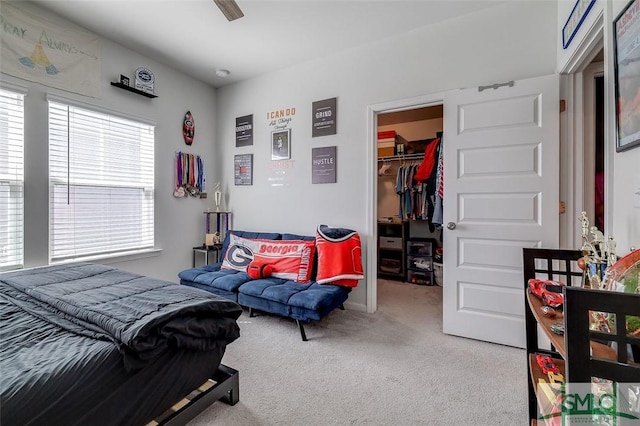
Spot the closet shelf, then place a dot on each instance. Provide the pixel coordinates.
(419, 156)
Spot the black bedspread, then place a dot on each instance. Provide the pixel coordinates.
(75, 339)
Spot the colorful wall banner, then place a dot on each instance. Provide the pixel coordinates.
(36, 49)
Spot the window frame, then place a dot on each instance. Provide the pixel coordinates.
(88, 184)
(15, 181)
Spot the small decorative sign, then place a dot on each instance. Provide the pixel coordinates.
(324, 164)
(244, 131)
(577, 16)
(324, 117)
(124, 80)
(243, 169)
(144, 80)
(280, 119)
(188, 128)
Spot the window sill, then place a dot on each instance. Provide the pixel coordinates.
(107, 259)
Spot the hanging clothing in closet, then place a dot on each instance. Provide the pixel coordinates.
(418, 186)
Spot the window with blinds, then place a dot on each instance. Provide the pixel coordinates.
(11, 179)
(101, 183)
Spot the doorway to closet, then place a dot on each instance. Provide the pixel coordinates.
(409, 201)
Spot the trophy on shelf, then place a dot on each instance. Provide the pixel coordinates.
(217, 196)
(598, 254)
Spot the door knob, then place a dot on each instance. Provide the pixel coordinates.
(451, 225)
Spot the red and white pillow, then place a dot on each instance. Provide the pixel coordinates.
(288, 259)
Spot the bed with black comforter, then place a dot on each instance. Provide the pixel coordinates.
(89, 344)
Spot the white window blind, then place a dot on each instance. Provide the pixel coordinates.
(11, 179)
(101, 183)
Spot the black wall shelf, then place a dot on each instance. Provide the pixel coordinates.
(133, 89)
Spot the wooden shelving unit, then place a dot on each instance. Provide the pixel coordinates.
(578, 353)
(549, 398)
(535, 305)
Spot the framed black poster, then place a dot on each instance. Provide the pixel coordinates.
(323, 165)
(243, 169)
(325, 117)
(244, 131)
(627, 76)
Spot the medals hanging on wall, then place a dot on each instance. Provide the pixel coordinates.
(178, 192)
(188, 128)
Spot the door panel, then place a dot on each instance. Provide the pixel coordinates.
(515, 112)
(499, 207)
(493, 255)
(488, 300)
(501, 192)
(523, 160)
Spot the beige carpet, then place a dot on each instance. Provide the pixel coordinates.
(394, 367)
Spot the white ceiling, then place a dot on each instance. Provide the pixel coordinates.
(194, 36)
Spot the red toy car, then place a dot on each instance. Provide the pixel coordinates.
(546, 364)
(549, 291)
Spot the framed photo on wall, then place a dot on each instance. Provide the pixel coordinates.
(626, 29)
(243, 169)
(281, 144)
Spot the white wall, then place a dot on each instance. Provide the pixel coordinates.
(179, 223)
(512, 41)
(623, 177)
(625, 185)
(568, 56)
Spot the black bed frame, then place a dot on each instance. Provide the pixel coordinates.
(227, 389)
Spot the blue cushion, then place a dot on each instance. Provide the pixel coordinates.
(264, 305)
(246, 234)
(190, 274)
(319, 297)
(214, 277)
(312, 297)
(231, 295)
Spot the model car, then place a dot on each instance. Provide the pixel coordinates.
(549, 291)
(545, 362)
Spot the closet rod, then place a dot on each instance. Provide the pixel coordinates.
(402, 157)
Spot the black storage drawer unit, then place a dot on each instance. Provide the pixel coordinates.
(420, 277)
(417, 247)
(420, 261)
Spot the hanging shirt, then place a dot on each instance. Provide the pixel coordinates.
(430, 158)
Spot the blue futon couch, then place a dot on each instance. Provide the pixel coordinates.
(301, 301)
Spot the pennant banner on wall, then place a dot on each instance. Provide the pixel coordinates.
(38, 50)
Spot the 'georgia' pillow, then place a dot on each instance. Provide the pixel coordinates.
(291, 259)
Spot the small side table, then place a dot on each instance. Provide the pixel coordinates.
(206, 251)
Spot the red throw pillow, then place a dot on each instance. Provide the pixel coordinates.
(289, 259)
(257, 270)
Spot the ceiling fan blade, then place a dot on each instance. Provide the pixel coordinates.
(229, 8)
